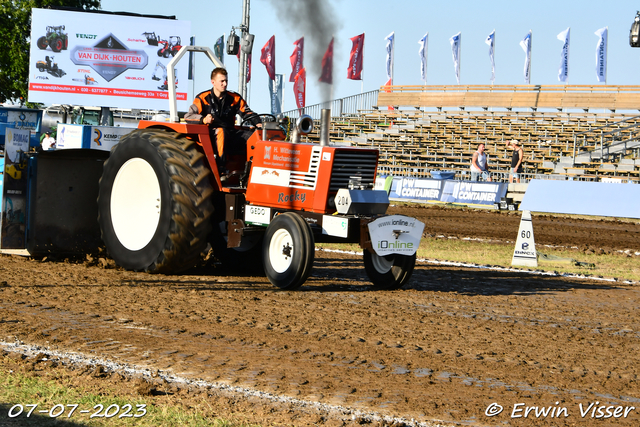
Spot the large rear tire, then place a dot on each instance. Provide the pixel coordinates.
(57, 45)
(288, 251)
(390, 271)
(154, 204)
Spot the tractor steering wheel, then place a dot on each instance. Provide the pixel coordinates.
(263, 117)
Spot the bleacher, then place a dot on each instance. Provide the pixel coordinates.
(594, 143)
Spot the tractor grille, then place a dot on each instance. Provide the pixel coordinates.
(353, 165)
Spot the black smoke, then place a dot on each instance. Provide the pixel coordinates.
(318, 22)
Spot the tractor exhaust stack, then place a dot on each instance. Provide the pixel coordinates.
(325, 121)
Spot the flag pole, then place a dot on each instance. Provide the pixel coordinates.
(361, 74)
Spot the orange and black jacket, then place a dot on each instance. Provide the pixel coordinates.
(223, 110)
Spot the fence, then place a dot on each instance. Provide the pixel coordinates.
(339, 107)
(463, 175)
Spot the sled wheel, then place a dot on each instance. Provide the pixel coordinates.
(288, 251)
(154, 202)
(57, 45)
(42, 43)
(389, 271)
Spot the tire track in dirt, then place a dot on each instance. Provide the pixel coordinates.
(453, 341)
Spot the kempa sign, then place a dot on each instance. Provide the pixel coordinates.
(85, 58)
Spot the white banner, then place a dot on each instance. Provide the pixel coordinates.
(526, 46)
(491, 41)
(455, 49)
(390, 42)
(97, 59)
(422, 52)
(601, 54)
(275, 92)
(563, 71)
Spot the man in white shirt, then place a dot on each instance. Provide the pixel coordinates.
(49, 142)
(479, 165)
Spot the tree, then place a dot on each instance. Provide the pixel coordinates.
(15, 33)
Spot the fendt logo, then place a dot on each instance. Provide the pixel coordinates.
(86, 36)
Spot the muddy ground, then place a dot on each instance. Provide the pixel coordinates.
(450, 346)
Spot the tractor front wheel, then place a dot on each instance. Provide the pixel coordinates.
(389, 271)
(42, 43)
(154, 202)
(288, 251)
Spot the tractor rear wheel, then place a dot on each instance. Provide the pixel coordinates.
(154, 202)
(42, 43)
(389, 271)
(288, 251)
(57, 45)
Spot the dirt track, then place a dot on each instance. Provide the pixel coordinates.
(452, 342)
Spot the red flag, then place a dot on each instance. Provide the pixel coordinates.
(355, 58)
(268, 57)
(299, 87)
(296, 59)
(248, 65)
(327, 65)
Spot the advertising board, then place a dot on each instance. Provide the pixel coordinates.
(108, 60)
(14, 188)
(20, 118)
(94, 137)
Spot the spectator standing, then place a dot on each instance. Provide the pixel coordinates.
(49, 142)
(516, 160)
(479, 165)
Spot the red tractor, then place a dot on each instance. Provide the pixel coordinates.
(163, 202)
(170, 47)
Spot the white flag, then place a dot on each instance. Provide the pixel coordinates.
(455, 49)
(390, 41)
(491, 40)
(563, 71)
(601, 54)
(526, 46)
(424, 46)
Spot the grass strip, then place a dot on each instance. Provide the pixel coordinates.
(55, 393)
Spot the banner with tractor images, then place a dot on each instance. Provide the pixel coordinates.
(14, 189)
(108, 60)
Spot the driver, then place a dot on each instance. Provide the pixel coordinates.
(218, 108)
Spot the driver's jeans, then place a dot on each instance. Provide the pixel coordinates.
(228, 143)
